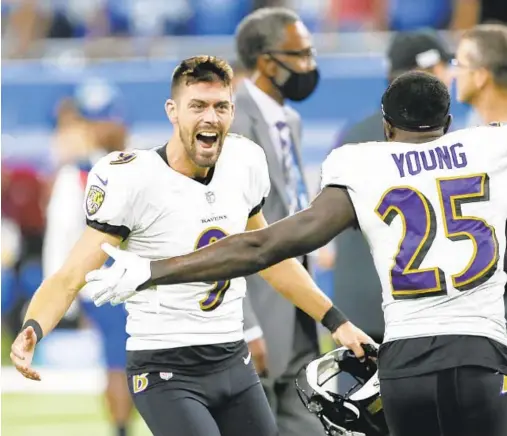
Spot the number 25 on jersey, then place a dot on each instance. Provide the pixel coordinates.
(419, 230)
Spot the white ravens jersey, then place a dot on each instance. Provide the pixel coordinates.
(434, 215)
(161, 213)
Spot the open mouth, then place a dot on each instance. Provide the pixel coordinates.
(207, 139)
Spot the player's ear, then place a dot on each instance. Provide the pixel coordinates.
(481, 76)
(266, 66)
(447, 124)
(170, 110)
(388, 130)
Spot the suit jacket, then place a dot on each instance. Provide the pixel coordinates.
(263, 307)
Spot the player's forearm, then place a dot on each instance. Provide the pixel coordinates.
(291, 279)
(248, 253)
(51, 302)
(234, 256)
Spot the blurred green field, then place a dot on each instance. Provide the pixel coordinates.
(59, 415)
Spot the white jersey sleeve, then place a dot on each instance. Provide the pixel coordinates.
(109, 199)
(259, 182)
(335, 171)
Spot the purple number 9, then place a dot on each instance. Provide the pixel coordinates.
(216, 294)
(419, 230)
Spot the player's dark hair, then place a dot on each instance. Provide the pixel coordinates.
(491, 53)
(199, 69)
(417, 102)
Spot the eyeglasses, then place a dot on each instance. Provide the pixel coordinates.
(307, 53)
(455, 64)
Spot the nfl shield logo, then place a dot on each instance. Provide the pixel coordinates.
(210, 197)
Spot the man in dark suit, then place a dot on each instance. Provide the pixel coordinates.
(355, 276)
(275, 46)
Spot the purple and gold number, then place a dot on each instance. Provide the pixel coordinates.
(454, 192)
(216, 294)
(419, 229)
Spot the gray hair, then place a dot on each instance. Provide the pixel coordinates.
(261, 31)
(491, 43)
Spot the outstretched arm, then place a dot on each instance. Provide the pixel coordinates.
(290, 279)
(55, 294)
(247, 253)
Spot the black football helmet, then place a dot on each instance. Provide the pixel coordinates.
(356, 413)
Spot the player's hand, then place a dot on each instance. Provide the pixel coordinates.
(259, 355)
(22, 350)
(118, 283)
(351, 337)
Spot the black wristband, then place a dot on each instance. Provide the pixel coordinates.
(36, 326)
(333, 319)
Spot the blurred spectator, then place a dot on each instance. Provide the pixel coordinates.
(479, 11)
(23, 25)
(89, 125)
(11, 243)
(11, 251)
(493, 11)
(23, 200)
(149, 17)
(218, 17)
(481, 71)
(352, 15)
(406, 15)
(95, 101)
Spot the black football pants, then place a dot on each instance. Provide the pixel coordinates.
(231, 402)
(463, 401)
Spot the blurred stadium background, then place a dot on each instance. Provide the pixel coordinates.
(127, 49)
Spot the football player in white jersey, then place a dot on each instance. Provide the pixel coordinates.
(433, 208)
(190, 372)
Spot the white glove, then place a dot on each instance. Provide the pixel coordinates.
(118, 283)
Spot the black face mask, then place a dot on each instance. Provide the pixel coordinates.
(298, 86)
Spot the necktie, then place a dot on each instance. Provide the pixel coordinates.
(297, 195)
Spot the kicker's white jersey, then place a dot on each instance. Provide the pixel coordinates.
(434, 215)
(162, 213)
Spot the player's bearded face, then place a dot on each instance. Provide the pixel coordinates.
(204, 121)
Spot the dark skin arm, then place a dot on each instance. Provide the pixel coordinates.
(247, 253)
